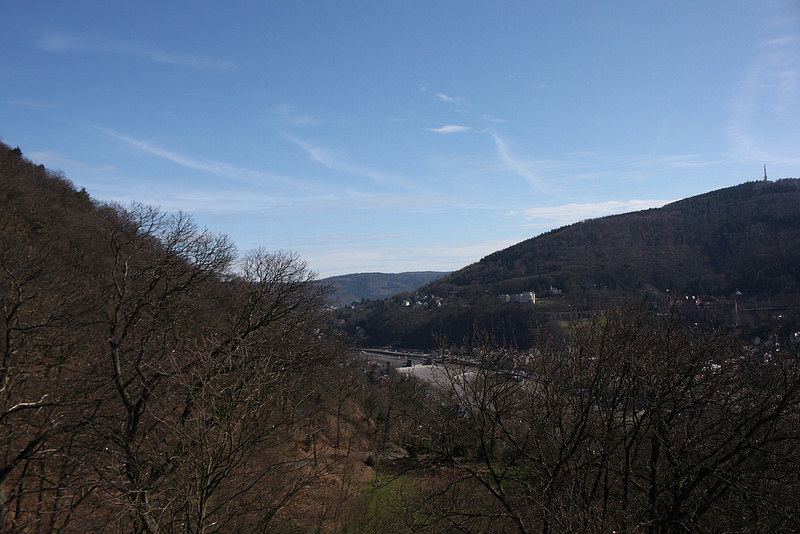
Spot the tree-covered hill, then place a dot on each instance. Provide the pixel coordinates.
(371, 286)
(739, 240)
(744, 238)
(146, 385)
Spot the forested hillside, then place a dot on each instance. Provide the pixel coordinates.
(145, 387)
(742, 242)
(744, 238)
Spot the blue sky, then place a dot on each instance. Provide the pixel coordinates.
(400, 136)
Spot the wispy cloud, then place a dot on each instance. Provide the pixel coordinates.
(516, 165)
(553, 216)
(54, 160)
(450, 128)
(29, 104)
(336, 260)
(210, 166)
(61, 43)
(769, 95)
(491, 118)
(288, 115)
(221, 203)
(334, 162)
(225, 202)
(451, 99)
(686, 161)
(352, 239)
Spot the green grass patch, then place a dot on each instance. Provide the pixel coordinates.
(387, 503)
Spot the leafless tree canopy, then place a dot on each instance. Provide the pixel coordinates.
(634, 423)
(150, 381)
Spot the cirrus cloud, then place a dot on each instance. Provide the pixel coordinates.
(552, 216)
(450, 128)
(451, 99)
(63, 43)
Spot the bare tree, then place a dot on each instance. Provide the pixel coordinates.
(633, 423)
(149, 380)
(155, 265)
(42, 401)
(149, 383)
(250, 397)
(208, 377)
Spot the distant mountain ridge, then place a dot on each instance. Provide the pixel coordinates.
(742, 240)
(356, 287)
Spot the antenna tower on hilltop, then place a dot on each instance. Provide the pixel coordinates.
(765, 172)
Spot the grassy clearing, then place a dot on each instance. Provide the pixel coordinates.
(387, 503)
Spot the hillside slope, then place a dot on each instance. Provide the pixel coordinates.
(739, 240)
(744, 238)
(132, 355)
